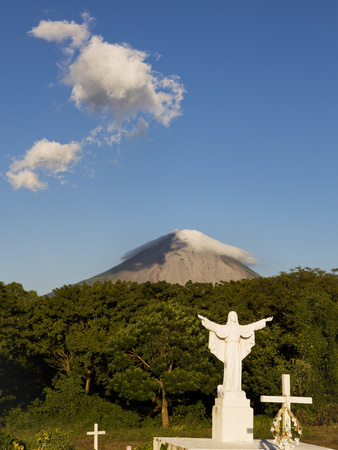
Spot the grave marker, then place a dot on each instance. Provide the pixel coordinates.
(96, 433)
(283, 435)
(286, 398)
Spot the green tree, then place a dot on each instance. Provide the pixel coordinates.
(70, 330)
(21, 377)
(301, 340)
(158, 340)
(161, 353)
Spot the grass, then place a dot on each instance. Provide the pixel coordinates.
(325, 436)
(140, 437)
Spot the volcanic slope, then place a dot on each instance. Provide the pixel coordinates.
(181, 256)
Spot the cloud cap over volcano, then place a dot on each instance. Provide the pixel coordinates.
(179, 257)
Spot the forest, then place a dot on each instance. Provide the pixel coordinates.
(135, 354)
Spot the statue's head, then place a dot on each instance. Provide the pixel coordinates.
(232, 317)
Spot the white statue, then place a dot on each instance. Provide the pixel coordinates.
(231, 343)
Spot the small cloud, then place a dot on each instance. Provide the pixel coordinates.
(52, 158)
(139, 131)
(60, 31)
(94, 136)
(25, 179)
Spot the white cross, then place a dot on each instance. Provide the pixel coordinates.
(286, 399)
(96, 433)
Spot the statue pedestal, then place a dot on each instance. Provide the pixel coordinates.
(232, 418)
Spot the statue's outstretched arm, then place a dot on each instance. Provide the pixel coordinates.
(269, 319)
(204, 320)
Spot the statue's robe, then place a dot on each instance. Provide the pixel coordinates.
(231, 343)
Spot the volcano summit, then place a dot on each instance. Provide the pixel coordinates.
(181, 256)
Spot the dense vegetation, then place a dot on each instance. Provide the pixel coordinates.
(132, 354)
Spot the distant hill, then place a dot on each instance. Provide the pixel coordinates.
(181, 256)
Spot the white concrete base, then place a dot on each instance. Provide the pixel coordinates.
(211, 444)
(232, 418)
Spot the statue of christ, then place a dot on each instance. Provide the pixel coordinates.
(231, 343)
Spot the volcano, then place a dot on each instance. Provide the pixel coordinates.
(181, 256)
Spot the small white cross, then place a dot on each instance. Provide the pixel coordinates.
(96, 433)
(286, 398)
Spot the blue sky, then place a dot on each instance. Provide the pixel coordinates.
(225, 123)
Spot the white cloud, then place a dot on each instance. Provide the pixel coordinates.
(50, 157)
(200, 242)
(60, 31)
(116, 79)
(113, 78)
(111, 133)
(25, 179)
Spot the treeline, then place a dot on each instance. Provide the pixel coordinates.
(142, 349)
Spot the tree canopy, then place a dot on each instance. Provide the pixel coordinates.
(162, 352)
(142, 347)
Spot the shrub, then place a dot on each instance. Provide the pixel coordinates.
(193, 415)
(7, 442)
(262, 427)
(53, 439)
(327, 415)
(68, 403)
(147, 446)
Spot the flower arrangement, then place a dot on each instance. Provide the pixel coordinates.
(283, 434)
